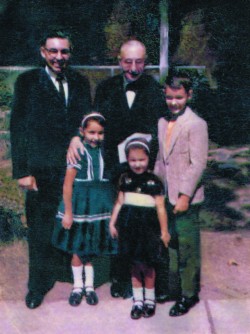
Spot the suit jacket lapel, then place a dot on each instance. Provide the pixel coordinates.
(47, 85)
(121, 95)
(180, 122)
(72, 86)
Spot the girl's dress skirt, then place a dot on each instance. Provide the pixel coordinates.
(139, 234)
(92, 203)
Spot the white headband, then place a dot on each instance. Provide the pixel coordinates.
(137, 138)
(138, 142)
(93, 114)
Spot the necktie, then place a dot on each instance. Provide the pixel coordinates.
(59, 79)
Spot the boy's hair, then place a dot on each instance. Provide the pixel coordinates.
(93, 116)
(177, 79)
(56, 32)
(137, 143)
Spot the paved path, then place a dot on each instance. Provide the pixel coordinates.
(111, 316)
(224, 307)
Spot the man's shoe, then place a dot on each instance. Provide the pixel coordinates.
(163, 298)
(115, 290)
(75, 297)
(183, 305)
(33, 299)
(137, 311)
(91, 297)
(148, 310)
(127, 291)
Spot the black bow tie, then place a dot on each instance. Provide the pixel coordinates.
(134, 86)
(173, 117)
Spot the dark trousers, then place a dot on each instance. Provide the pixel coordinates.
(185, 239)
(46, 264)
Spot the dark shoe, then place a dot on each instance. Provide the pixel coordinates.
(162, 298)
(127, 291)
(148, 310)
(75, 297)
(136, 312)
(121, 289)
(116, 290)
(91, 297)
(33, 299)
(183, 305)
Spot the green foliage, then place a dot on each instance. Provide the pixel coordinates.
(4, 122)
(211, 220)
(11, 227)
(194, 48)
(5, 91)
(133, 19)
(11, 196)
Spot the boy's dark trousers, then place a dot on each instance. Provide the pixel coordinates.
(185, 239)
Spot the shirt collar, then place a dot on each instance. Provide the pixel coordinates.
(51, 74)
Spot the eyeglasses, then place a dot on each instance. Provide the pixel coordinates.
(54, 52)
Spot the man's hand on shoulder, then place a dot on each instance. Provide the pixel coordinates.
(72, 153)
(28, 183)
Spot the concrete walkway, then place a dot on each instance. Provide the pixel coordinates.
(56, 316)
(224, 307)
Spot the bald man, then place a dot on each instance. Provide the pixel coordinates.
(131, 102)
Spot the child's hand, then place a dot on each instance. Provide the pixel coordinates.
(67, 221)
(165, 237)
(182, 204)
(113, 231)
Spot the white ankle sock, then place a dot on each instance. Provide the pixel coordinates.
(149, 296)
(77, 276)
(138, 296)
(89, 278)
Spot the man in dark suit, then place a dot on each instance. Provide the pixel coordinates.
(47, 109)
(131, 102)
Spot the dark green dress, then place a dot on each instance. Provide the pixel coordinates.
(92, 202)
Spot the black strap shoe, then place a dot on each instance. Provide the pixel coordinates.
(91, 297)
(183, 305)
(148, 310)
(137, 311)
(75, 297)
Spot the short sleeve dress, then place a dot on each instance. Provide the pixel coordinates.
(92, 202)
(138, 225)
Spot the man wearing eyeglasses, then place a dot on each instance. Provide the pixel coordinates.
(47, 109)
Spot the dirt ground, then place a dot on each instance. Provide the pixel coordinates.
(225, 267)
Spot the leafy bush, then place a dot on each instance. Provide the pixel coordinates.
(5, 92)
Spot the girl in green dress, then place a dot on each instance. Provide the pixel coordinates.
(82, 222)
